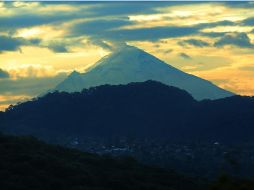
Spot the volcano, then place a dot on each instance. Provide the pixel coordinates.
(131, 64)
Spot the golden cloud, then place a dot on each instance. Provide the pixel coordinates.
(31, 71)
(6, 100)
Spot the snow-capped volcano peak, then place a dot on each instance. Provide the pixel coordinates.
(130, 64)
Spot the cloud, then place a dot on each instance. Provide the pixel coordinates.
(184, 56)
(101, 44)
(29, 86)
(104, 22)
(4, 74)
(14, 22)
(112, 30)
(168, 51)
(248, 21)
(214, 24)
(34, 41)
(236, 39)
(32, 71)
(108, 29)
(98, 27)
(194, 42)
(102, 31)
(123, 8)
(154, 34)
(58, 47)
(8, 43)
(213, 34)
(238, 4)
(204, 66)
(7, 100)
(49, 13)
(25, 17)
(14, 91)
(127, 8)
(247, 68)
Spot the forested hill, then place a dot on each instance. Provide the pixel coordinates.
(144, 110)
(26, 163)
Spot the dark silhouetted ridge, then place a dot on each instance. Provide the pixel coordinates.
(144, 109)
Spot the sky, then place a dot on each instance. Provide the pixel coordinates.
(42, 42)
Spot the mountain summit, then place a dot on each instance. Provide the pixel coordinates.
(130, 64)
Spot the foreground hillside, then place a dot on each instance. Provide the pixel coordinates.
(155, 123)
(143, 110)
(26, 163)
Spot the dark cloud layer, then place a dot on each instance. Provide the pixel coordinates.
(100, 43)
(105, 29)
(105, 21)
(4, 74)
(98, 27)
(58, 47)
(236, 39)
(12, 23)
(214, 24)
(8, 43)
(98, 9)
(109, 30)
(153, 34)
(248, 21)
(123, 9)
(238, 4)
(213, 34)
(184, 56)
(194, 42)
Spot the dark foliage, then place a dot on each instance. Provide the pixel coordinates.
(141, 111)
(26, 163)
(226, 182)
(149, 109)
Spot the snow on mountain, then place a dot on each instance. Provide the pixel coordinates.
(130, 64)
